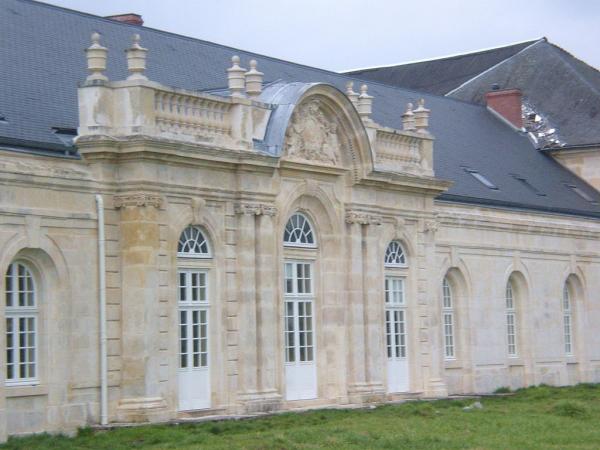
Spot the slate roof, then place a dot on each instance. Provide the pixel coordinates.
(440, 75)
(562, 88)
(42, 61)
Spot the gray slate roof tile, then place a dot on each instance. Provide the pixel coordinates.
(42, 61)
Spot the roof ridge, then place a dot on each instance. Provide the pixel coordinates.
(260, 55)
(496, 65)
(442, 58)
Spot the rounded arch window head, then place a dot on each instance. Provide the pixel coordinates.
(193, 243)
(20, 286)
(299, 232)
(394, 255)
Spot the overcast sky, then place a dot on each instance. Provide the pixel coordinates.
(347, 34)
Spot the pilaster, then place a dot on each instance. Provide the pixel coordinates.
(140, 242)
(434, 383)
(365, 380)
(258, 307)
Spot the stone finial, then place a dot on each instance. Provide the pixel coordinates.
(421, 117)
(254, 80)
(136, 59)
(96, 59)
(365, 104)
(408, 118)
(235, 78)
(353, 96)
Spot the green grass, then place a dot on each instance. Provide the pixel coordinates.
(540, 417)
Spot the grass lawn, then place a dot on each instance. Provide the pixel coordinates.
(540, 417)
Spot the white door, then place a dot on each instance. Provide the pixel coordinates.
(194, 376)
(300, 367)
(395, 335)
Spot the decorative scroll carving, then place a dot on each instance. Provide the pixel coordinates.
(255, 209)
(312, 136)
(198, 205)
(138, 199)
(363, 218)
(431, 226)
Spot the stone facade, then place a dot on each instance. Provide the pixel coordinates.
(164, 159)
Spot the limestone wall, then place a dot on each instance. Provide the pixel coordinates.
(48, 217)
(485, 246)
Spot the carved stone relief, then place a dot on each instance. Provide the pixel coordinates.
(312, 136)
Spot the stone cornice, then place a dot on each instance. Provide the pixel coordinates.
(255, 209)
(363, 218)
(138, 200)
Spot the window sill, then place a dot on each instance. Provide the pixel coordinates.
(25, 391)
(452, 364)
(515, 361)
(572, 359)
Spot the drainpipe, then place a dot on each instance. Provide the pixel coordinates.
(102, 300)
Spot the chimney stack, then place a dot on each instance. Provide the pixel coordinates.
(130, 18)
(506, 103)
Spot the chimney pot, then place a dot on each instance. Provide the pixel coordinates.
(507, 103)
(130, 18)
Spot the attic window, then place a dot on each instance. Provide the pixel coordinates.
(527, 184)
(479, 177)
(582, 194)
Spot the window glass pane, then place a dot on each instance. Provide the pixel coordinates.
(394, 255)
(192, 243)
(298, 231)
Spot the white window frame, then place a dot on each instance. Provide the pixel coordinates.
(396, 340)
(397, 248)
(191, 254)
(448, 325)
(189, 306)
(512, 346)
(567, 310)
(296, 298)
(15, 314)
(306, 220)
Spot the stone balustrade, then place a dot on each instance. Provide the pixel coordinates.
(190, 115)
(403, 151)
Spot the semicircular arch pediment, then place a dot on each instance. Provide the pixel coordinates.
(317, 124)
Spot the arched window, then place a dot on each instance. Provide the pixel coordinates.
(448, 319)
(567, 320)
(21, 325)
(298, 232)
(193, 244)
(511, 320)
(394, 255)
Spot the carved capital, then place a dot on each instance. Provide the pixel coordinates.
(138, 199)
(363, 218)
(255, 209)
(268, 210)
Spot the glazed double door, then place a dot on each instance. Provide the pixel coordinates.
(194, 373)
(300, 367)
(396, 335)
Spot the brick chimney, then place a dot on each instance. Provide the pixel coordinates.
(130, 18)
(507, 103)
